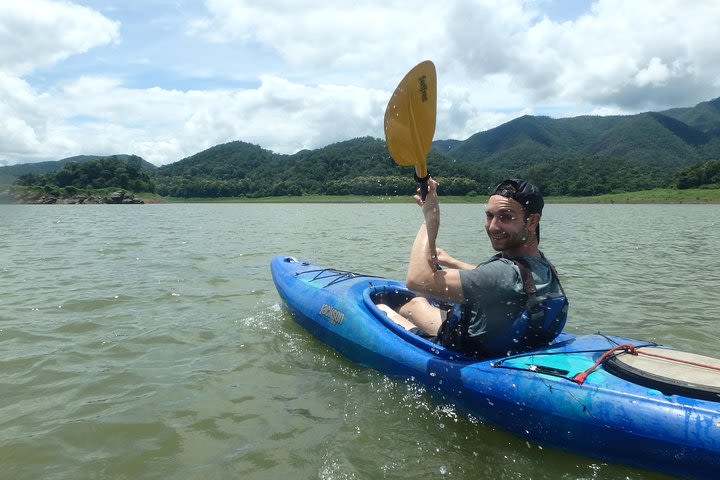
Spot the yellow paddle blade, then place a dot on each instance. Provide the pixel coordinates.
(410, 117)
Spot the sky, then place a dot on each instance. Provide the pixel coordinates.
(165, 79)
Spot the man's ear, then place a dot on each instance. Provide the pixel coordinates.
(533, 220)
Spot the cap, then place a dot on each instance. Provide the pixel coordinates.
(526, 194)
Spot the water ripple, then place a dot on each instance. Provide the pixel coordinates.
(150, 342)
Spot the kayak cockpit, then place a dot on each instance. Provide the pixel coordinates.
(394, 296)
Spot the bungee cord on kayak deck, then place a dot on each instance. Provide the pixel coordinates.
(582, 376)
(341, 275)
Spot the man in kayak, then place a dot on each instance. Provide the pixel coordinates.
(494, 297)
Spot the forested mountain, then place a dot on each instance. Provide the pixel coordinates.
(647, 139)
(584, 155)
(8, 174)
(590, 155)
(704, 116)
(361, 166)
(571, 156)
(94, 173)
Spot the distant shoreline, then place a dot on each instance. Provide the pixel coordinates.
(657, 196)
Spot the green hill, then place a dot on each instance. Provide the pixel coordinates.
(704, 116)
(649, 139)
(93, 174)
(361, 166)
(8, 174)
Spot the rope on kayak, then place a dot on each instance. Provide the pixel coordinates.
(580, 377)
(632, 350)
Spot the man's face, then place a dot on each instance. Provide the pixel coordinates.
(505, 223)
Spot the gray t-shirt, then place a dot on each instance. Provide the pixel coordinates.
(495, 298)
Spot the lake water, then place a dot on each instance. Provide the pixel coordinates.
(148, 341)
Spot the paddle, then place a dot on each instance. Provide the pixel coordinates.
(410, 120)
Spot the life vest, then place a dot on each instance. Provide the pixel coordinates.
(545, 315)
(542, 319)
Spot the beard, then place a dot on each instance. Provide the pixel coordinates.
(505, 240)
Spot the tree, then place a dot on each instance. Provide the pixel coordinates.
(108, 172)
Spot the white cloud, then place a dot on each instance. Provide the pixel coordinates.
(324, 35)
(656, 74)
(39, 33)
(21, 116)
(36, 34)
(100, 115)
(627, 54)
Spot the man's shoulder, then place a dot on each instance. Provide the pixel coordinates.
(533, 261)
(494, 273)
(496, 263)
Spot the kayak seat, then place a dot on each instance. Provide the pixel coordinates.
(395, 297)
(392, 297)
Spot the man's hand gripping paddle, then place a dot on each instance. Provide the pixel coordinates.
(410, 121)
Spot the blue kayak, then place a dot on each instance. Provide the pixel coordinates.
(608, 397)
